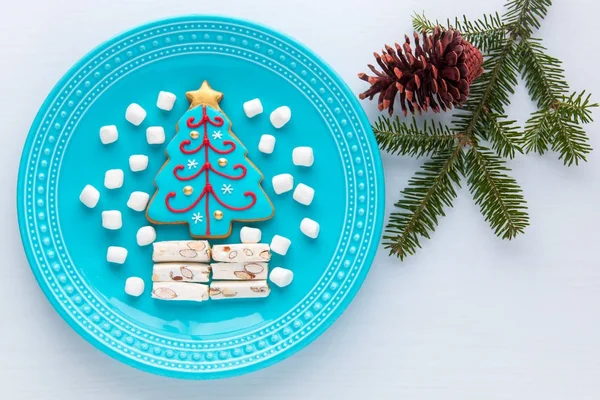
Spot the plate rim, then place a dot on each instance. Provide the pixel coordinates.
(311, 336)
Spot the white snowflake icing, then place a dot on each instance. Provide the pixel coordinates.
(192, 164)
(197, 217)
(217, 135)
(227, 189)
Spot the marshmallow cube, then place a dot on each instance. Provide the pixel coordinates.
(138, 201)
(280, 116)
(250, 235)
(116, 255)
(134, 286)
(155, 135)
(165, 100)
(112, 220)
(310, 228)
(113, 178)
(303, 156)
(266, 144)
(253, 107)
(89, 196)
(282, 277)
(135, 114)
(108, 134)
(138, 162)
(145, 235)
(304, 194)
(280, 244)
(283, 183)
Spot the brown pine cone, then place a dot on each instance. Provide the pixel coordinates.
(437, 76)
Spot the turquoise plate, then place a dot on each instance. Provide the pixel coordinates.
(66, 244)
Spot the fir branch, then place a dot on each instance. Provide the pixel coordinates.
(498, 195)
(536, 137)
(557, 125)
(577, 106)
(570, 140)
(423, 24)
(484, 33)
(423, 202)
(523, 16)
(505, 136)
(490, 93)
(398, 137)
(542, 73)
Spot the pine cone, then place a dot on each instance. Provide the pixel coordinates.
(437, 76)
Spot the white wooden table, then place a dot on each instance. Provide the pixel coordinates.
(469, 317)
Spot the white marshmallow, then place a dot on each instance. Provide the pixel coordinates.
(155, 135)
(280, 116)
(250, 235)
(281, 277)
(135, 114)
(253, 107)
(138, 201)
(112, 220)
(138, 162)
(165, 100)
(116, 254)
(113, 178)
(266, 144)
(303, 156)
(280, 244)
(134, 286)
(89, 196)
(304, 194)
(145, 235)
(283, 183)
(310, 228)
(108, 134)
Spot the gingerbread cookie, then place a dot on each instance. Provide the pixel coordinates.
(207, 181)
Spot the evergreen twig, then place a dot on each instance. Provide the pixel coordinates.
(481, 134)
(484, 33)
(397, 137)
(497, 194)
(490, 93)
(557, 122)
(423, 201)
(542, 73)
(523, 16)
(504, 135)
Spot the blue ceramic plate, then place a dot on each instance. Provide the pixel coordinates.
(66, 244)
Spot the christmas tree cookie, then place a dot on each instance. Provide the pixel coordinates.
(207, 181)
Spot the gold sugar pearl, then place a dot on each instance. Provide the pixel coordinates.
(218, 215)
(188, 190)
(194, 134)
(222, 162)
